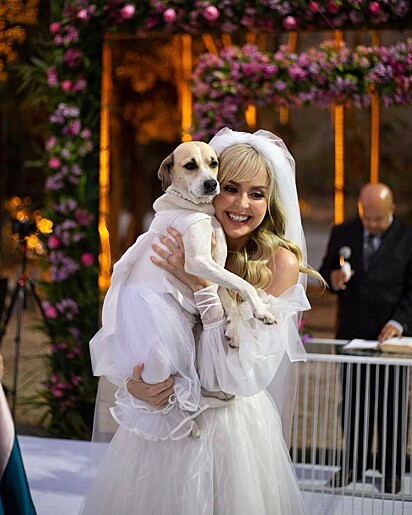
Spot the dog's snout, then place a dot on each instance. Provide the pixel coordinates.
(210, 186)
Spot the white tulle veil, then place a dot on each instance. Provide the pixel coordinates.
(282, 167)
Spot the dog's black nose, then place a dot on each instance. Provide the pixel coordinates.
(210, 186)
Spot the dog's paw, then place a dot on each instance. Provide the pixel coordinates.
(230, 335)
(265, 316)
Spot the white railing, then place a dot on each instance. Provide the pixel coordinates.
(329, 446)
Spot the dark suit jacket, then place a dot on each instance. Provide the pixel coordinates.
(382, 293)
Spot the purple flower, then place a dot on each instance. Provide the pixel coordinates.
(68, 308)
(73, 57)
(83, 217)
(62, 266)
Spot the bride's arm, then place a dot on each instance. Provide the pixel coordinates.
(154, 394)
(250, 368)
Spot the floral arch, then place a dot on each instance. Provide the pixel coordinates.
(77, 144)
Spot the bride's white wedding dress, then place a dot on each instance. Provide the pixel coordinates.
(239, 465)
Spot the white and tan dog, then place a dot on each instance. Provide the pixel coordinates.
(190, 173)
(142, 323)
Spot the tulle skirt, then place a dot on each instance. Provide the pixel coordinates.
(239, 466)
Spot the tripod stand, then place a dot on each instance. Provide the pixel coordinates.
(18, 300)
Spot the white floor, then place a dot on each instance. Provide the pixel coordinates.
(57, 471)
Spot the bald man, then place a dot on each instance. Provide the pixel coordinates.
(374, 303)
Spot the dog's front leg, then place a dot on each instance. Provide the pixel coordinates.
(198, 261)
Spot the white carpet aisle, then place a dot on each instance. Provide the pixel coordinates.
(57, 472)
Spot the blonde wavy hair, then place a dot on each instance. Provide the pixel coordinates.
(240, 163)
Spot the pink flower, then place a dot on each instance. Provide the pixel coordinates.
(80, 84)
(76, 380)
(73, 57)
(169, 15)
(50, 142)
(290, 23)
(52, 77)
(53, 242)
(54, 163)
(127, 11)
(56, 392)
(66, 85)
(333, 7)
(54, 27)
(75, 126)
(313, 6)
(87, 259)
(83, 14)
(86, 133)
(51, 312)
(211, 13)
(374, 8)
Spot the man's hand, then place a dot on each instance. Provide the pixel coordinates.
(154, 394)
(389, 331)
(339, 278)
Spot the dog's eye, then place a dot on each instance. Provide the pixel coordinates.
(190, 166)
(213, 164)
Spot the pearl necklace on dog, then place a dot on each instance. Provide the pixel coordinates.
(178, 194)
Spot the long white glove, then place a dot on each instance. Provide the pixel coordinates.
(209, 306)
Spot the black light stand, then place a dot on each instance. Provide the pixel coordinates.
(18, 300)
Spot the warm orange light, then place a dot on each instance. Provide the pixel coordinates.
(250, 116)
(13, 15)
(186, 86)
(226, 39)
(375, 125)
(339, 163)
(210, 44)
(104, 256)
(339, 150)
(251, 38)
(44, 225)
(375, 116)
(104, 168)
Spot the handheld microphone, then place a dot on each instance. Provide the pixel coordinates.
(345, 252)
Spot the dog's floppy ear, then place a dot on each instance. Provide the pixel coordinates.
(164, 171)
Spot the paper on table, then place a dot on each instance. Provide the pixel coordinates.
(391, 344)
(358, 343)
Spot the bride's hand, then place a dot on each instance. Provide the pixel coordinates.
(154, 394)
(173, 259)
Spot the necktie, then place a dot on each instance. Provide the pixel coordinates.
(368, 250)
